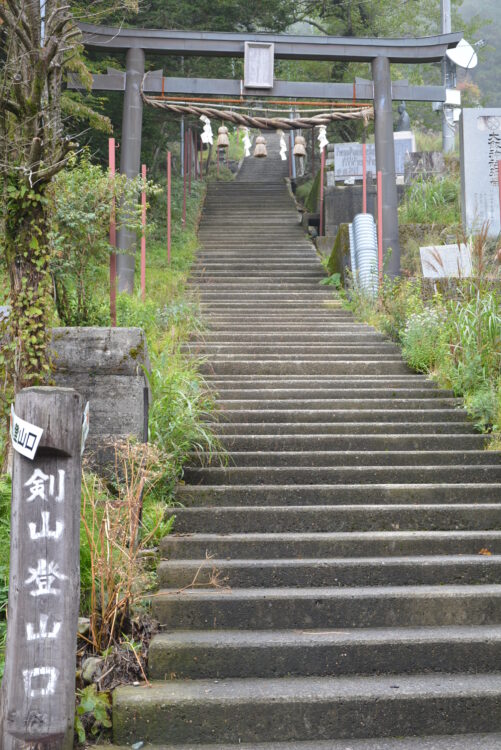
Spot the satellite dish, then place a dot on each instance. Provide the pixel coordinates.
(463, 55)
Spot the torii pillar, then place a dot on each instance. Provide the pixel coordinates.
(130, 160)
(385, 162)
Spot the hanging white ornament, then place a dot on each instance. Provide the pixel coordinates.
(322, 137)
(283, 145)
(206, 136)
(247, 142)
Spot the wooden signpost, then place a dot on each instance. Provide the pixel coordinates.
(38, 689)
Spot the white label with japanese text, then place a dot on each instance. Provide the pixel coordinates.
(25, 436)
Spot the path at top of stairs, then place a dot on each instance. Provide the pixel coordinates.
(335, 584)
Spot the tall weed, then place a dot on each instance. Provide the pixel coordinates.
(114, 578)
(432, 201)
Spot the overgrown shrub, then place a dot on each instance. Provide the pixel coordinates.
(457, 341)
(423, 340)
(79, 236)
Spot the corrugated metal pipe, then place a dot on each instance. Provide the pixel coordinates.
(363, 253)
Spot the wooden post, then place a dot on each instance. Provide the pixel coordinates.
(322, 169)
(113, 239)
(143, 236)
(38, 689)
(169, 199)
(313, 153)
(380, 224)
(201, 161)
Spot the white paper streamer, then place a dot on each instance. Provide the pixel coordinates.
(247, 142)
(283, 145)
(322, 137)
(207, 135)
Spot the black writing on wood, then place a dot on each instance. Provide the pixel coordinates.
(38, 689)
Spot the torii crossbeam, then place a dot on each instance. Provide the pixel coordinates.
(380, 53)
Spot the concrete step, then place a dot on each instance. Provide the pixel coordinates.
(307, 337)
(254, 284)
(387, 442)
(491, 741)
(352, 544)
(223, 654)
(377, 350)
(219, 496)
(268, 307)
(308, 708)
(275, 323)
(326, 518)
(319, 392)
(335, 366)
(344, 459)
(341, 415)
(279, 251)
(266, 270)
(347, 403)
(332, 608)
(317, 427)
(331, 354)
(371, 474)
(331, 572)
(408, 380)
(216, 321)
(277, 295)
(427, 426)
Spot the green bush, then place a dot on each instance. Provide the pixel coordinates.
(456, 341)
(423, 339)
(79, 236)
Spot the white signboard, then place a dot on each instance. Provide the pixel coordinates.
(259, 65)
(348, 157)
(348, 160)
(446, 262)
(25, 436)
(480, 132)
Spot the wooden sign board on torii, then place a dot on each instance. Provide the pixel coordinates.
(380, 53)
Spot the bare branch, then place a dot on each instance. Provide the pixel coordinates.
(311, 22)
(12, 23)
(12, 107)
(53, 16)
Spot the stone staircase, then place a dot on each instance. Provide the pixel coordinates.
(335, 586)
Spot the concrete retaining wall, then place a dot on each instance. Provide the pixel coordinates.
(107, 366)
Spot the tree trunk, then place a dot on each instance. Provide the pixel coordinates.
(30, 284)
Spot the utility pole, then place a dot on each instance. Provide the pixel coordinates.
(448, 130)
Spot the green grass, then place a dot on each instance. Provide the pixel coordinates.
(434, 201)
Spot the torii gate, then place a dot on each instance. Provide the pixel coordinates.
(380, 53)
